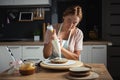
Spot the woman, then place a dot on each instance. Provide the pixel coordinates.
(71, 37)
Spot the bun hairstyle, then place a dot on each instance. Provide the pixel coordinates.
(74, 10)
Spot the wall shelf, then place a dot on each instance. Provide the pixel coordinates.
(39, 14)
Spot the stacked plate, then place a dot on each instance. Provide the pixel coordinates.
(81, 73)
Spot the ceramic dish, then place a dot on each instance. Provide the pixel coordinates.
(92, 76)
(79, 69)
(79, 74)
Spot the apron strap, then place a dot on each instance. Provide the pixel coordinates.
(69, 38)
(60, 31)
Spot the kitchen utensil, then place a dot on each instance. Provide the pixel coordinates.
(55, 42)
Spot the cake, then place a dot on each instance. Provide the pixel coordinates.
(79, 71)
(59, 60)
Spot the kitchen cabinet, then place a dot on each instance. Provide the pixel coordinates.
(94, 54)
(31, 2)
(99, 54)
(86, 54)
(5, 59)
(25, 52)
(24, 2)
(6, 2)
(111, 32)
(19, 52)
(32, 53)
(16, 51)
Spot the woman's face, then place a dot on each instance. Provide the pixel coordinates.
(71, 21)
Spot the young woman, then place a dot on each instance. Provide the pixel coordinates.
(71, 37)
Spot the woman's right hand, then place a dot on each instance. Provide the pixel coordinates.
(53, 35)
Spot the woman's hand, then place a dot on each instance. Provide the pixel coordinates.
(52, 35)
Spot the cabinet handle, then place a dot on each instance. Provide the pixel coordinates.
(13, 47)
(97, 47)
(115, 56)
(32, 47)
(34, 59)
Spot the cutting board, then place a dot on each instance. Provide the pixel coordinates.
(61, 67)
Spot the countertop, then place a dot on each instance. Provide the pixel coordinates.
(45, 74)
(108, 43)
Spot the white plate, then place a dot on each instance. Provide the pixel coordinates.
(69, 62)
(92, 75)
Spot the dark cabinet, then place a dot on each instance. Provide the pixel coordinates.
(111, 32)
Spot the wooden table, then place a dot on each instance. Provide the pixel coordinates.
(43, 74)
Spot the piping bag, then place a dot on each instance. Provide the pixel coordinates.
(55, 42)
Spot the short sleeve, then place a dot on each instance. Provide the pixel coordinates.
(79, 40)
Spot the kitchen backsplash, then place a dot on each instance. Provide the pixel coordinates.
(12, 27)
(22, 23)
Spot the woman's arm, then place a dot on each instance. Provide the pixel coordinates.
(77, 47)
(70, 55)
(47, 50)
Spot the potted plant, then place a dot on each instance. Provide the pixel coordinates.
(37, 35)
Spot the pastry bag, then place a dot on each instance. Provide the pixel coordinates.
(55, 42)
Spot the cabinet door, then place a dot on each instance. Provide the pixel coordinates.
(99, 54)
(32, 2)
(5, 59)
(6, 2)
(33, 52)
(24, 2)
(86, 54)
(16, 51)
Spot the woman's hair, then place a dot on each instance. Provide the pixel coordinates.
(74, 10)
